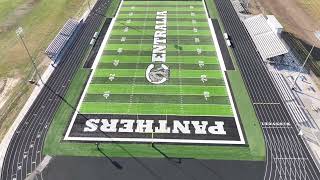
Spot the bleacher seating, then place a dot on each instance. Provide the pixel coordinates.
(69, 27)
(238, 6)
(58, 43)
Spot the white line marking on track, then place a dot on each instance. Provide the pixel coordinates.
(289, 158)
(265, 103)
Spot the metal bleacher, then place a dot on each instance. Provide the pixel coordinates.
(59, 42)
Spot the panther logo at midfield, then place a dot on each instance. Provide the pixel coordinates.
(157, 74)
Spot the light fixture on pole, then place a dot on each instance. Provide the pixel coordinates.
(317, 34)
(20, 34)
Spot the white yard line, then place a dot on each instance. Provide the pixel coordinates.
(133, 85)
(180, 83)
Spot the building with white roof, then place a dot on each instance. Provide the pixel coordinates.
(264, 37)
(274, 24)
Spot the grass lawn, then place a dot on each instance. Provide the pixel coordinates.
(41, 24)
(311, 7)
(6, 7)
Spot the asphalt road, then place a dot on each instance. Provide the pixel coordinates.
(287, 155)
(92, 168)
(25, 149)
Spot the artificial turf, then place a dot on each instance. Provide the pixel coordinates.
(182, 94)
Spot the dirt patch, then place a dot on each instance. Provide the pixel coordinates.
(17, 14)
(18, 95)
(6, 86)
(311, 7)
(2, 85)
(299, 17)
(293, 15)
(255, 7)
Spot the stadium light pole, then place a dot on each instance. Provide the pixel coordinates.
(20, 34)
(317, 34)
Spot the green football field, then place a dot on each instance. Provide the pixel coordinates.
(131, 93)
(128, 52)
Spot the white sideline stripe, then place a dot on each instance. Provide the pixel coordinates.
(152, 140)
(94, 67)
(7, 139)
(223, 68)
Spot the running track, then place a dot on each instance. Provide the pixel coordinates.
(287, 156)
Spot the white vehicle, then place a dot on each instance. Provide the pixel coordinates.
(226, 36)
(92, 41)
(229, 44)
(96, 34)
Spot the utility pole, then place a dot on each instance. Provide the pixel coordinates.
(317, 34)
(19, 33)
